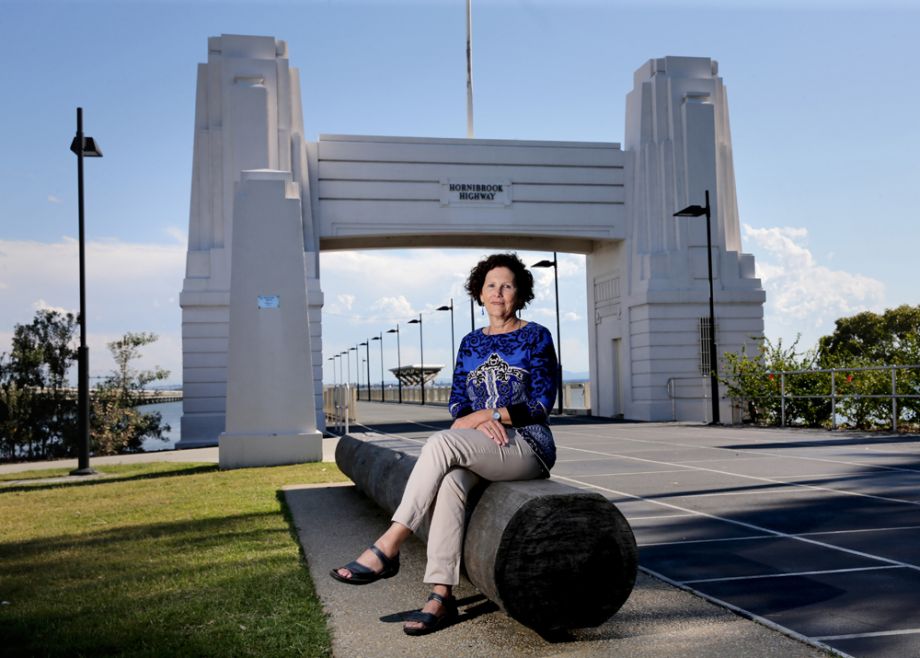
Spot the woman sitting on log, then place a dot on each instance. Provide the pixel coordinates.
(503, 390)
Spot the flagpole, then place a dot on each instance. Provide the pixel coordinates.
(469, 70)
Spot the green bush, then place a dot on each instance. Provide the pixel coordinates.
(757, 385)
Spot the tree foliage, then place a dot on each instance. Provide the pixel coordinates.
(118, 426)
(37, 416)
(889, 338)
(38, 412)
(759, 383)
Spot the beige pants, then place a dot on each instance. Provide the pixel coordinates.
(451, 464)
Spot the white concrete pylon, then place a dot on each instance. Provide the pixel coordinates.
(270, 384)
(247, 116)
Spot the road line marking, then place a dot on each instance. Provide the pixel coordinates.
(706, 541)
(840, 532)
(661, 516)
(856, 636)
(598, 475)
(785, 575)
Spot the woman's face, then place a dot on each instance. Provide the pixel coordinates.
(499, 294)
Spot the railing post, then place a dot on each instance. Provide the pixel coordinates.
(833, 399)
(335, 408)
(894, 399)
(782, 399)
(671, 397)
(348, 405)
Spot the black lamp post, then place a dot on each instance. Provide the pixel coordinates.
(367, 353)
(697, 211)
(334, 382)
(453, 353)
(83, 147)
(472, 317)
(357, 370)
(398, 361)
(380, 338)
(555, 265)
(421, 352)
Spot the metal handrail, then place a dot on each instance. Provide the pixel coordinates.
(834, 395)
(672, 394)
(341, 408)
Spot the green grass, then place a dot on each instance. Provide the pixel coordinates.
(40, 474)
(158, 560)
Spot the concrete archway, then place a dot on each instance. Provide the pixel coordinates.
(646, 275)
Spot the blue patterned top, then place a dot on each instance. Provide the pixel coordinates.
(516, 370)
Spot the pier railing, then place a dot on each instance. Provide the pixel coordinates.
(851, 390)
(860, 396)
(339, 402)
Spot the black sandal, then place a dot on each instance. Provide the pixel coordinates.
(361, 575)
(431, 622)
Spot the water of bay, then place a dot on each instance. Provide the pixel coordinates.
(171, 413)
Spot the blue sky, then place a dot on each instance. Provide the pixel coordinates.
(823, 98)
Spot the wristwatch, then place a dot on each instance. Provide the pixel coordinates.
(496, 415)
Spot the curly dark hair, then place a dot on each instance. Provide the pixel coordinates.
(523, 279)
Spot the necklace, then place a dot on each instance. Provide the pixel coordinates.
(491, 331)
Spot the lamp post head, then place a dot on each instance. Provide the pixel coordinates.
(418, 321)
(691, 211)
(376, 338)
(393, 331)
(544, 263)
(90, 150)
(444, 308)
(362, 344)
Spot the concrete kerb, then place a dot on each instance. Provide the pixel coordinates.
(192, 455)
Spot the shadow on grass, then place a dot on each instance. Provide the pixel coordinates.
(80, 481)
(226, 585)
(197, 534)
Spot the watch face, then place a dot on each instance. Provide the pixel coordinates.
(496, 415)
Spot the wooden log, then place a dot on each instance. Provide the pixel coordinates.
(551, 556)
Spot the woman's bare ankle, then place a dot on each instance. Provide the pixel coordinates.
(391, 541)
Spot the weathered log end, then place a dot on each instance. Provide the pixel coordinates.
(565, 558)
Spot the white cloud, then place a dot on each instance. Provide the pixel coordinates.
(53, 199)
(393, 286)
(129, 287)
(803, 294)
(346, 301)
(392, 309)
(177, 234)
(42, 305)
(571, 265)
